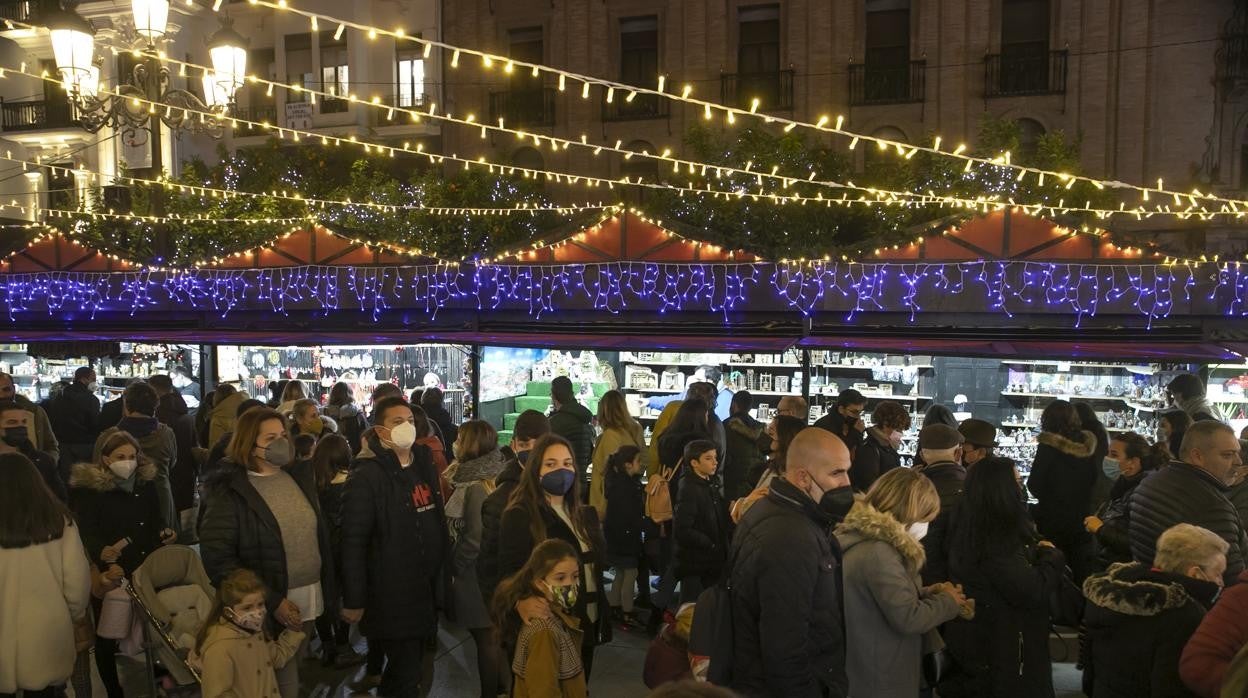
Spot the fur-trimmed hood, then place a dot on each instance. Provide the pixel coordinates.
(866, 523)
(99, 478)
(1132, 589)
(485, 467)
(1077, 449)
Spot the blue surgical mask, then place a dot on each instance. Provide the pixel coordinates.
(1111, 468)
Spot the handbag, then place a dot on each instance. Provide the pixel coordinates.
(116, 615)
(936, 662)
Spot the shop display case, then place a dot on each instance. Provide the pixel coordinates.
(1227, 388)
(39, 370)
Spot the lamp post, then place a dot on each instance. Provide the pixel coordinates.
(132, 107)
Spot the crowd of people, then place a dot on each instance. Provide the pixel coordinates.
(824, 565)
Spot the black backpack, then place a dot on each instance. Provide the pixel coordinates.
(711, 634)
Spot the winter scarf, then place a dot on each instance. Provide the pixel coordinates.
(461, 474)
(138, 426)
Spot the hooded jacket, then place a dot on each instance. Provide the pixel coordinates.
(171, 407)
(610, 442)
(1183, 493)
(574, 422)
(701, 527)
(741, 454)
(488, 575)
(1222, 634)
(106, 513)
(351, 423)
(241, 663)
(1061, 480)
(626, 509)
(885, 604)
(160, 446)
(394, 549)
(787, 623)
(239, 530)
(1136, 624)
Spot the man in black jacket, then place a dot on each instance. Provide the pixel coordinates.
(574, 422)
(75, 418)
(940, 447)
(742, 455)
(431, 400)
(395, 546)
(845, 420)
(1192, 490)
(530, 426)
(15, 438)
(788, 627)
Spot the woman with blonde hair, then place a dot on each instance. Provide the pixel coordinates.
(890, 610)
(619, 429)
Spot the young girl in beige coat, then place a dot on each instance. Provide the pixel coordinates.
(238, 660)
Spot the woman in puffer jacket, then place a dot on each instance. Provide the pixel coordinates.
(1061, 480)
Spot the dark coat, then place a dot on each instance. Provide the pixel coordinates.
(160, 446)
(394, 567)
(834, 422)
(171, 408)
(1061, 480)
(873, 458)
(446, 428)
(1113, 538)
(47, 469)
(742, 455)
(75, 415)
(106, 513)
(701, 527)
(948, 477)
(787, 619)
(239, 530)
(1135, 627)
(626, 507)
(574, 422)
(1004, 651)
(515, 545)
(488, 574)
(110, 414)
(351, 423)
(1183, 493)
(184, 478)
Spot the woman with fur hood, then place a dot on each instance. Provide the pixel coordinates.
(892, 614)
(120, 518)
(1062, 476)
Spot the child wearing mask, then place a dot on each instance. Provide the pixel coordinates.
(548, 650)
(236, 655)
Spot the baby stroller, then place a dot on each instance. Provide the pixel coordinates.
(172, 598)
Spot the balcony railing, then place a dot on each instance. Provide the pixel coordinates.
(642, 107)
(1013, 73)
(773, 90)
(259, 113)
(383, 117)
(535, 107)
(1232, 57)
(333, 105)
(887, 84)
(38, 115)
(22, 10)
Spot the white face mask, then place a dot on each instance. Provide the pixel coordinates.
(123, 469)
(403, 435)
(917, 530)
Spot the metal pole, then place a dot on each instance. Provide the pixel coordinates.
(161, 248)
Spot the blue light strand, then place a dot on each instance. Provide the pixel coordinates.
(1080, 290)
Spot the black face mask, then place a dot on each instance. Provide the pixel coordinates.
(837, 503)
(16, 436)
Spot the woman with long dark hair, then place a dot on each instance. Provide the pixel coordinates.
(1061, 480)
(262, 517)
(1131, 458)
(44, 583)
(1000, 562)
(547, 504)
(331, 463)
(343, 410)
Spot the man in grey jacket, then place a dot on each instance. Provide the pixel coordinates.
(40, 428)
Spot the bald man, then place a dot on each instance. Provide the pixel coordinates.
(788, 633)
(793, 406)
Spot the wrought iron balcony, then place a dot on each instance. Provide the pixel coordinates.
(383, 117)
(1232, 57)
(1016, 73)
(32, 11)
(38, 115)
(887, 84)
(259, 113)
(642, 107)
(773, 90)
(533, 107)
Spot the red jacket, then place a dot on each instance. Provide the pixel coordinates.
(1222, 633)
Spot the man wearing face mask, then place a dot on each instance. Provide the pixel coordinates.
(395, 546)
(878, 453)
(940, 447)
(39, 426)
(788, 627)
(15, 438)
(979, 440)
(845, 420)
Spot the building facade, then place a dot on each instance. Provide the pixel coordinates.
(1133, 81)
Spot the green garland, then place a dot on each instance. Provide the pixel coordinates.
(763, 227)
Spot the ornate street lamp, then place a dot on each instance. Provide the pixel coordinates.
(137, 107)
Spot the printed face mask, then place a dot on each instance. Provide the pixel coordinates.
(564, 595)
(251, 620)
(123, 469)
(558, 482)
